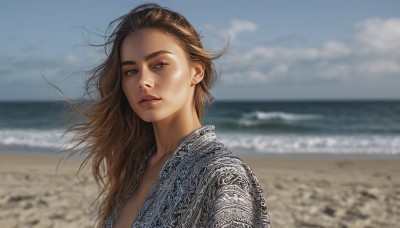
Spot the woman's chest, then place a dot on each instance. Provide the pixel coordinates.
(136, 200)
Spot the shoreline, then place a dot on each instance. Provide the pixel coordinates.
(241, 154)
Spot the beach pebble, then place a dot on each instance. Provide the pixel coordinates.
(372, 193)
(328, 210)
(55, 214)
(16, 197)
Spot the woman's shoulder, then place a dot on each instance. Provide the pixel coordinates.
(212, 160)
(220, 160)
(236, 195)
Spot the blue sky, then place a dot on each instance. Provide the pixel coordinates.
(278, 49)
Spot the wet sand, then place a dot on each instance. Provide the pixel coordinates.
(300, 192)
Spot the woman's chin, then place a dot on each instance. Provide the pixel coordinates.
(150, 118)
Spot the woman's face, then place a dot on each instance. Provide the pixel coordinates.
(157, 79)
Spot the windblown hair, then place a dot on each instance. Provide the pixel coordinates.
(114, 138)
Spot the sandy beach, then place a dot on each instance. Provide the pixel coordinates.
(300, 192)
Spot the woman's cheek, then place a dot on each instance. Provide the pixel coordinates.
(128, 89)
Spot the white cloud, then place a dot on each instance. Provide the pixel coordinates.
(378, 67)
(334, 49)
(236, 27)
(281, 53)
(33, 66)
(379, 35)
(250, 77)
(372, 53)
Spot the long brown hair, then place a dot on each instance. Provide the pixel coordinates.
(114, 138)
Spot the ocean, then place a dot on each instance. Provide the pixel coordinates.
(246, 127)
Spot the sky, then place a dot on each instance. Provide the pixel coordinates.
(277, 50)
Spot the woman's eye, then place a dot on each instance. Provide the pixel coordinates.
(161, 65)
(130, 72)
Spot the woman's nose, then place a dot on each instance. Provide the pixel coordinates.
(145, 80)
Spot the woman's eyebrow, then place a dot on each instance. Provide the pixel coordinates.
(147, 58)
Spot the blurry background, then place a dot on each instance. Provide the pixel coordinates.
(299, 77)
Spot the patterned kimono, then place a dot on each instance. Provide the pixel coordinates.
(202, 184)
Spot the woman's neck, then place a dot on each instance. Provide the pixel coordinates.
(169, 133)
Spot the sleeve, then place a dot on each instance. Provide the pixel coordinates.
(238, 199)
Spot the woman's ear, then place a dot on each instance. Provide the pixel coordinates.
(197, 73)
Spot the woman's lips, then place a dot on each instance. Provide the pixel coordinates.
(149, 103)
(148, 100)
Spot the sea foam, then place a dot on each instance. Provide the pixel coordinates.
(313, 144)
(258, 143)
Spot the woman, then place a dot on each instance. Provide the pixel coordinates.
(162, 168)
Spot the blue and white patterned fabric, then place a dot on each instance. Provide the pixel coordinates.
(202, 184)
